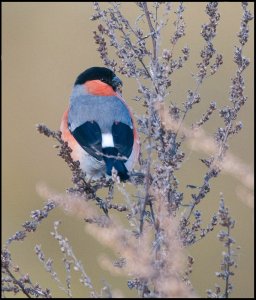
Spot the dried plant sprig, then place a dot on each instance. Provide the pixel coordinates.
(31, 226)
(153, 273)
(69, 260)
(198, 140)
(64, 152)
(229, 114)
(13, 281)
(48, 265)
(188, 271)
(228, 262)
(207, 53)
(244, 29)
(206, 116)
(236, 96)
(24, 283)
(19, 284)
(180, 25)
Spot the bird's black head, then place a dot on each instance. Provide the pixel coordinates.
(99, 73)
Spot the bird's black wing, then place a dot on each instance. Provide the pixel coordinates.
(89, 137)
(123, 138)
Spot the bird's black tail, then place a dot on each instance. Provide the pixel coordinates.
(110, 154)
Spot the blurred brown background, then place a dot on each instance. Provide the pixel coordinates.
(45, 46)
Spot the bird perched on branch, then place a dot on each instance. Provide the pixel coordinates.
(99, 126)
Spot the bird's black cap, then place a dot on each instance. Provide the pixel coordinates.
(99, 73)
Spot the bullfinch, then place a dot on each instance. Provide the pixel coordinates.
(99, 126)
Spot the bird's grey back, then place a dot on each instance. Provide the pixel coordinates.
(105, 110)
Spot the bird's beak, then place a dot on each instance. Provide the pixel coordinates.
(117, 82)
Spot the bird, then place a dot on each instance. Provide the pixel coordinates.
(99, 126)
